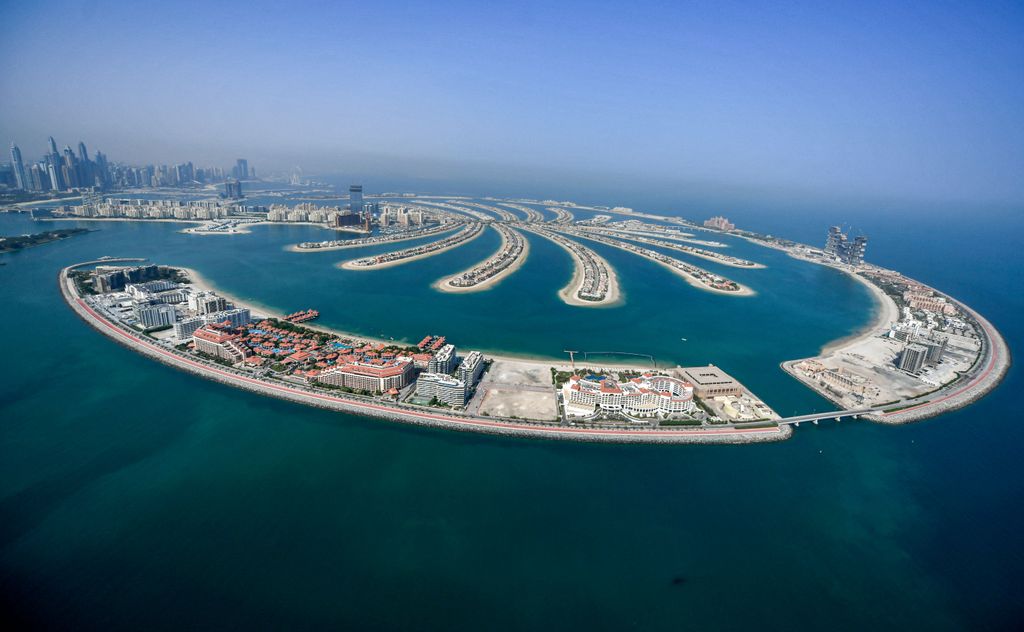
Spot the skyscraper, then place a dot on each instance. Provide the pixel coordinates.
(355, 198)
(233, 189)
(38, 179)
(842, 249)
(69, 169)
(241, 170)
(54, 173)
(19, 168)
(54, 167)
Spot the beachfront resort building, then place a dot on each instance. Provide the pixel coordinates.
(719, 223)
(843, 249)
(643, 396)
(379, 376)
(220, 343)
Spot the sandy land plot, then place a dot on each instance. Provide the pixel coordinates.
(511, 402)
(520, 373)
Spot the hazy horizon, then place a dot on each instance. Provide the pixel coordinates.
(847, 102)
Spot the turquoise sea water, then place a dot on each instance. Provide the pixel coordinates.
(133, 495)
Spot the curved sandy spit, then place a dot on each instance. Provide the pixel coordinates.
(743, 291)
(679, 238)
(636, 238)
(443, 286)
(350, 265)
(295, 247)
(568, 294)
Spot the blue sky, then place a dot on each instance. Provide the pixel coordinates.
(904, 100)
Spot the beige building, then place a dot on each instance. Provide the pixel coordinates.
(710, 381)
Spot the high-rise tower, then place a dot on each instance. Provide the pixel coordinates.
(355, 198)
(19, 168)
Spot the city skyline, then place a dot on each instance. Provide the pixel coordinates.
(917, 102)
(70, 171)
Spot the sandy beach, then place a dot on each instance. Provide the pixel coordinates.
(443, 286)
(886, 313)
(350, 265)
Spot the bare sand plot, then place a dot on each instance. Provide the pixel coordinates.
(513, 402)
(523, 389)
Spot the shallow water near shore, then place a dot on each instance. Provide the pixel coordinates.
(134, 495)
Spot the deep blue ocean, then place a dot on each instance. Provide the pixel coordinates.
(134, 496)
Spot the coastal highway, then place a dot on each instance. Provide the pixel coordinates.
(398, 412)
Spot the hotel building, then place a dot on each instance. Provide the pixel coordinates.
(377, 377)
(214, 341)
(643, 396)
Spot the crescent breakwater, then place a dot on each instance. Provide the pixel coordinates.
(397, 257)
(368, 406)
